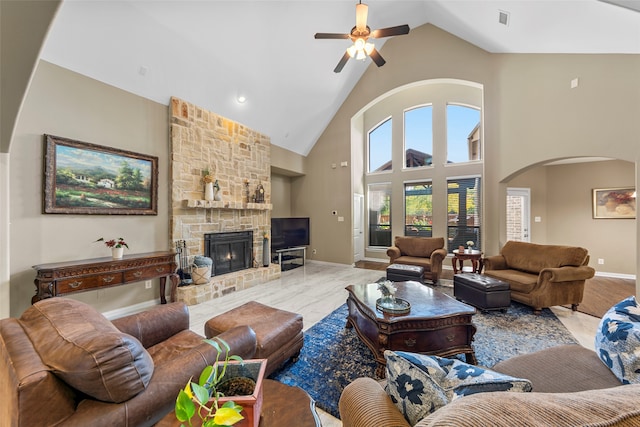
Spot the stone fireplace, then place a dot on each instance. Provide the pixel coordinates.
(240, 160)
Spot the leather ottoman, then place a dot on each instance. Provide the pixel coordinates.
(278, 332)
(483, 292)
(405, 272)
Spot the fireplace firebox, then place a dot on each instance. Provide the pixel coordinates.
(230, 252)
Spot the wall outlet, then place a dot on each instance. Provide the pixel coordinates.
(147, 284)
(315, 251)
(600, 261)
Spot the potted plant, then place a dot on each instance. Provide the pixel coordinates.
(117, 246)
(228, 393)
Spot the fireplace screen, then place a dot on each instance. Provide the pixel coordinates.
(229, 251)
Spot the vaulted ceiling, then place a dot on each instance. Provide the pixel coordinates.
(210, 52)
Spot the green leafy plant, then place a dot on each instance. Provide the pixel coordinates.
(201, 398)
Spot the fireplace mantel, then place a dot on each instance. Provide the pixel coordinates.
(212, 204)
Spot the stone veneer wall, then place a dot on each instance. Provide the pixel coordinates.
(234, 154)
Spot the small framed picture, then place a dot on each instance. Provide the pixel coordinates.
(84, 178)
(614, 203)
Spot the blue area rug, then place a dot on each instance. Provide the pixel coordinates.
(332, 356)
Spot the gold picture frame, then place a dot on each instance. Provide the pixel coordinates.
(614, 203)
(83, 178)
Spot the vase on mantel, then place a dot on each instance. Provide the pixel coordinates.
(208, 191)
(117, 253)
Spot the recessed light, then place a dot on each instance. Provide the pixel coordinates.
(241, 99)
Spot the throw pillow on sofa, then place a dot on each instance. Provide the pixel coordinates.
(617, 340)
(419, 384)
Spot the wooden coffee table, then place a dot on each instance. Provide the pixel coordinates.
(437, 324)
(283, 405)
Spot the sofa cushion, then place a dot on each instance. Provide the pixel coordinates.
(533, 258)
(86, 350)
(418, 246)
(420, 384)
(618, 340)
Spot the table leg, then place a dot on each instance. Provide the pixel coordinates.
(474, 262)
(454, 261)
(175, 280)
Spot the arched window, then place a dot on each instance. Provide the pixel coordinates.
(418, 137)
(463, 134)
(380, 143)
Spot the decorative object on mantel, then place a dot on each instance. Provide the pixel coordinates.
(266, 255)
(117, 246)
(247, 193)
(216, 192)
(207, 180)
(89, 179)
(260, 194)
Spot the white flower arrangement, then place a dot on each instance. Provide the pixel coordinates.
(387, 288)
(470, 243)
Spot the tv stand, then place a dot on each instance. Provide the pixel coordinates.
(291, 254)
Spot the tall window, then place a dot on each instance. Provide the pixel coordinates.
(418, 137)
(418, 210)
(463, 206)
(463, 134)
(380, 214)
(380, 147)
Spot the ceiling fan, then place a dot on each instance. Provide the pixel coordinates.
(359, 35)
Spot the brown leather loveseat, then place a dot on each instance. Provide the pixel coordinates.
(64, 364)
(427, 252)
(541, 275)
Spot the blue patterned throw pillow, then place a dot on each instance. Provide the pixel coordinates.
(618, 340)
(419, 385)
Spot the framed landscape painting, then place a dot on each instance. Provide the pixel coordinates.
(614, 202)
(84, 178)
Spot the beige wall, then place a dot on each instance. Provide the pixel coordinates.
(280, 196)
(67, 104)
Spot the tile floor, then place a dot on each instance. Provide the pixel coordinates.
(317, 289)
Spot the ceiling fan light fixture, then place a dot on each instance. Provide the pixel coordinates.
(368, 48)
(351, 50)
(361, 55)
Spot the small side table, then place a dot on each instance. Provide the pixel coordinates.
(473, 255)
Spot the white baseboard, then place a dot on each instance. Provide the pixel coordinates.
(616, 275)
(131, 309)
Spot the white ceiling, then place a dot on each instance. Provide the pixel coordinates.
(209, 52)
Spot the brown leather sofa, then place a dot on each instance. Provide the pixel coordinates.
(427, 252)
(541, 275)
(571, 387)
(64, 364)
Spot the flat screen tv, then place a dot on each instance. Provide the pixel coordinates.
(289, 233)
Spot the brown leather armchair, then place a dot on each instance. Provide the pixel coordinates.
(427, 252)
(64, 364)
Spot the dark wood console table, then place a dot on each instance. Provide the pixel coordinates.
(62, 278)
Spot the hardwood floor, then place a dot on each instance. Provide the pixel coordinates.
(318, 288)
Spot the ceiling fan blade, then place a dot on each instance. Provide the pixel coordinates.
(377, 58)
(361, 17)
(342, 63)
(391, 31)
(331, 36)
